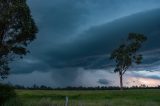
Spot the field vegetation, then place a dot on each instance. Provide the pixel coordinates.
(147, 97)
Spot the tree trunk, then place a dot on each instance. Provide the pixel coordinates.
(121, 80)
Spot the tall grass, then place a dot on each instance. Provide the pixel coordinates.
(86, 98)
(14, 102)
(50, 102)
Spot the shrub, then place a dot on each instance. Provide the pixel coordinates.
(13, 102)
(6, 92)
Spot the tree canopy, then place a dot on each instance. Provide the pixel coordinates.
(126, 54)
(17, 30)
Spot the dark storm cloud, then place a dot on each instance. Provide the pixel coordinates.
(93, 44)
(91, 48)
(57, 19)
(104, 81)
(28, 65)
(77, 34)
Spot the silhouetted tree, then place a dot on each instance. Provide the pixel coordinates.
(126, 54)
(17, 30)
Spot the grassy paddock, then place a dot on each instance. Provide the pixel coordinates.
(89, 98)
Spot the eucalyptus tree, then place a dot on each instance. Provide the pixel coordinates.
(17, 30)
(127, 54)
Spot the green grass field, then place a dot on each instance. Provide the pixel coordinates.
(87, 98)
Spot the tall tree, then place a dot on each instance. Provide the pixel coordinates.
(126, 54)
(17, 30)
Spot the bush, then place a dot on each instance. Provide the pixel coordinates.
(6, 92)
(13, 102)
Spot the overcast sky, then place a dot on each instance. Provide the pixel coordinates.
(76, 37)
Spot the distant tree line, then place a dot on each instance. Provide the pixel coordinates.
(43, 87)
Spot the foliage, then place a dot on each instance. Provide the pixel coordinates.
(126, 54)
(6, 92)
(17, 30)
(143, 97)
